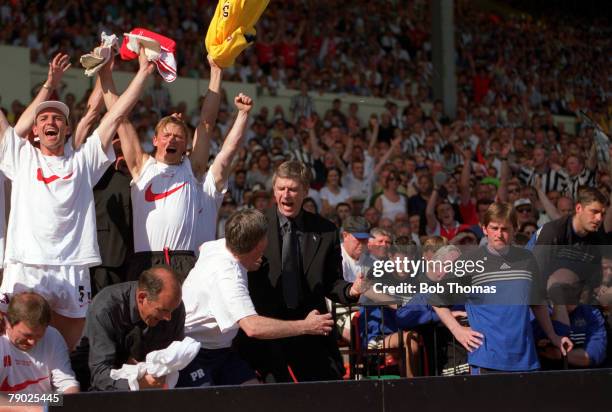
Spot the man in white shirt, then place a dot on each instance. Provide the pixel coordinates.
(51, 240)
(355, 236)
(217, 304)
(356, 263)
(34, 355)
(175, 202)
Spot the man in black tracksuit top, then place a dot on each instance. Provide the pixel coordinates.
(569, 251)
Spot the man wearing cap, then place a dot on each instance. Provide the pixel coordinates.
(524, 211)
(355, 235)
(52, 231)
(356, 262)
(302, 266)
(175, 201)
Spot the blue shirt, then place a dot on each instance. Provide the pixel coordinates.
(504, 317)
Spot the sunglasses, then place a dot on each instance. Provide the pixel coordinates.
(524, 210)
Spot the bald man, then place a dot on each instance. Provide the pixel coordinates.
(127, 321)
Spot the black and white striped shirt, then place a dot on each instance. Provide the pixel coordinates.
(552, 180)
(586, 178)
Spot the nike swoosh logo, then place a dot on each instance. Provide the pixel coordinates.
(46, 180)
(152, 197)
(5, 387)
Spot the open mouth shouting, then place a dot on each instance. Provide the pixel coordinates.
(51, 133)
(287, 204)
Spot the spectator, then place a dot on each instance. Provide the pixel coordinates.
(587, 332)
(302, 104)
(261, 172)
(332, 193)
(379, 244)
(160, 96)
(343, 210)
(578, 232)
(502, 325)
(391, 202)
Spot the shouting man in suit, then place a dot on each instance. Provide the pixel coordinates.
(302, 266)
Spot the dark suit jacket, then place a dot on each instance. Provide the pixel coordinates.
(113, 217)
(322, 267)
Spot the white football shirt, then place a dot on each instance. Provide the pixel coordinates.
(165, 201)
(211, 200)
(43, 369)
(53, 217)
(216, 297)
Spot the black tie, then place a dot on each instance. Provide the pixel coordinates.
(290, 266)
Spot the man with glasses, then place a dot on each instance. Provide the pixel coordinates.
(524, 211)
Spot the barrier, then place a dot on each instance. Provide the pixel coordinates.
(558, 391)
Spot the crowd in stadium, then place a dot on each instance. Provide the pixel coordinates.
(408, 181)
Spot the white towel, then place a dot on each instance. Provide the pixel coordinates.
(130, 372)
(165, 362)
(93, 62)
(171, 360)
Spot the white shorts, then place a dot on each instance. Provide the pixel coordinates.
(66, 288)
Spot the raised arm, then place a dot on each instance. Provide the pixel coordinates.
(57, 68)
(220, 168)
(4, 124)
(430, 211)
(95, 103)
(394, 145)
(502, 192)
(591, 162)
(464, 182)
(373, 135)
(549, 208)
(208, 118)
(348, 151)
(118, 109)
(313, 139)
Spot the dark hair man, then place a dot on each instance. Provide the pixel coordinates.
(127, 321)
(569, 252)
(217, 303)
(35, 356)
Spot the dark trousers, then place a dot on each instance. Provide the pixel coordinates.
(181, 261)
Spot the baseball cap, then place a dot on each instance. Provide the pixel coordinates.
(357, 226)
(53, 104)
(522, 202)
(490, 181)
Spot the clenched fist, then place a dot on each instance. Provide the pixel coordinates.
(243, 103)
